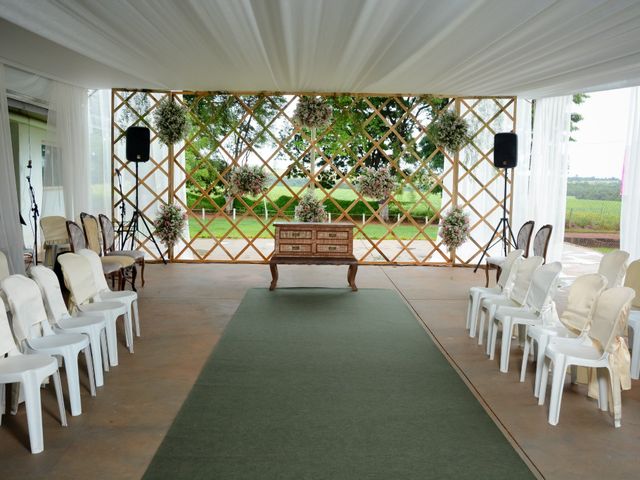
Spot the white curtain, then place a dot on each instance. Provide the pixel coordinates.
(630, 213)
(68, 126)
(522, 172)
(100, 152)
(11, 242)
(546, 202)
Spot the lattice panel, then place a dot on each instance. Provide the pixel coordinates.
(228, 130)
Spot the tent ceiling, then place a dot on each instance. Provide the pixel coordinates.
(456, 47)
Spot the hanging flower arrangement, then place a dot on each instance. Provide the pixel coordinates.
(169, 223)
(171, 121)
(449, 131)
(247, 179)
(454, 228)
(312, 112)
(377, 184)
(310, 209)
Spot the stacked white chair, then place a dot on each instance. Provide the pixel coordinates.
(127, 297)
(29, 371)
(32, 329)
(477, 294)
(574, 321)
(94, 326)
(543, 287)
(592, 350)
(4, 273)
(78, 277)
(515, 298)
(613, 266)
(632, 280)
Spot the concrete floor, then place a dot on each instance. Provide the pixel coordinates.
(185, 309)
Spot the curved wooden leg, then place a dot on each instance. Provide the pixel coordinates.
(486, 275)
(134, 274)
(142, 272)
(351, 276)
(274, 275)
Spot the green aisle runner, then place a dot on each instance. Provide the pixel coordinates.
(330, 384)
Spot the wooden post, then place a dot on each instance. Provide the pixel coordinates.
(456, 179)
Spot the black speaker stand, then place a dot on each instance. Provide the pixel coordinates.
(35, 213)
(502, 233)
(133, 228)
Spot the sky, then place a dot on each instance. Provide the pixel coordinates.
(600, 140)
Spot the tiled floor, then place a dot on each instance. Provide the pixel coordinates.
(184, 311)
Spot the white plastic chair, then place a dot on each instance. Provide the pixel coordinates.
(574, 321)
(516, 297)
(543, 287)
(591, 350)
(4, 273)
(32, 330)
(94, 326)
(476, 294)
(127, 297)
(613, 266)
(632, 280)
(78, 277)
(29, 371)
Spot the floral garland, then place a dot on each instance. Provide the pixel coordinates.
(247, 179)
(171, 121)
(310, 209)
(312, 112)
(449, 131)
(454, 228)
(169, 223)
(377, 184)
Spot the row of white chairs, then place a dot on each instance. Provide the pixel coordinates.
(43, 333)
(588, 332)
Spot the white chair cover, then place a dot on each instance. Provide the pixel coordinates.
(78, 278)
(613, 267)
(26, 306)
(522, 282)
(51, 291)
(583, 296)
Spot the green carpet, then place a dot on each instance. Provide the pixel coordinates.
(330, 384)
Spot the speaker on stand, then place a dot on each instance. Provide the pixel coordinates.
(138, 144)
(505, 155)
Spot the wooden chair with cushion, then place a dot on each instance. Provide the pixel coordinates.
(109, 241)
(541, 241)
(56, 240)
(523, 240)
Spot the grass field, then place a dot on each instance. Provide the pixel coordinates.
(593, 215)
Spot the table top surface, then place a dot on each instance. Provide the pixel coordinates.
(315, 224)
(313, 260)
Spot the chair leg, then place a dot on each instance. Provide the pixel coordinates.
(73, 382)
(3, 401)
(505, 345)
(480, 323)
(557, 385)
(603, 389)
(128, 331)
(134, 274)
(543, 341)
(525, 359)
(616, 397)
(90, 372)
(112, 341)
(60, 398)
(498, 272)
(494, 339)
(96, 358)
(34, 415)
(104, 350)
(486, 275)
(142, 264)
(544, 378)
(136, 316)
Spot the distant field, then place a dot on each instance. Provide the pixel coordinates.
(593, 215)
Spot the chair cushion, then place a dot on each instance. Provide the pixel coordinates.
(122, 261)
(135, 254)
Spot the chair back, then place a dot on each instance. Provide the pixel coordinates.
(541, 241)
(522, 282)
(583, 296)
(96, 268)
(108, 233)
(78, 277)
(508, 272)
(544, 284)
(632, 280)
(49, 285)
(76, 236)
(27, 309)
(4, 266)
(91, 232)
(523, 240)
(7, 344)
(54, 229)
(610, 315)
(613, 267)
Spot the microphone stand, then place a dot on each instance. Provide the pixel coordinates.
(35, 213)
(123, 211)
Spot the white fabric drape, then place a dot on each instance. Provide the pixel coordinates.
(630, 212)
(545, 201)
(100, 152)
(522, 172)
(11, 242)
(68, 126)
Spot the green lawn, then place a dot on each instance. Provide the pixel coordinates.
(593, 215)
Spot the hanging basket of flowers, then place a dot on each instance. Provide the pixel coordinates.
(312, 112)
(247, 179)
(310, 209)
(449, 131)
(376, 183)
(171, 121)
(454, 228)
(169, 223)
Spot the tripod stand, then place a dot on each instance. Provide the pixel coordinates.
(123, 212)
(134, 228)
(502, 233)
(35, 213)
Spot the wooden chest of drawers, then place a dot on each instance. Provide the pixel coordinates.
(314, 239)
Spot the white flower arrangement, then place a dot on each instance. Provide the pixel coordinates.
(449, 131)
(169, 223)
(310, 209)
(312, 112)
(454, 228)
(171, 121)
(247, 179)
(377, 184)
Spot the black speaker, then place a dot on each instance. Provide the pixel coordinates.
(505, 150)
(138, 141)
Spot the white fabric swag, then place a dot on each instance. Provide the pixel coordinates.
(11, 242)
(543, 198)
(630, 213)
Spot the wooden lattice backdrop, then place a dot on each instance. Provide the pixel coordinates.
(231, 129)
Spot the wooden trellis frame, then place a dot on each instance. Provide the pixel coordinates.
(485, 115)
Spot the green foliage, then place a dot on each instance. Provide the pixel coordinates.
(594, 189)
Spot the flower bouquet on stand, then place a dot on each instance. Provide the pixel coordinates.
(170, 223)
(454, 230)
(310, 209)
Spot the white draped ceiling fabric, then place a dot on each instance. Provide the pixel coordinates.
(630, 214)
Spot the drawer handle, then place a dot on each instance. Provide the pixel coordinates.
(295, 247)
(332, 248)
(333, 235)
